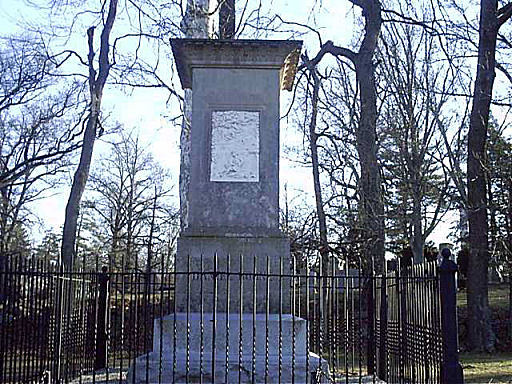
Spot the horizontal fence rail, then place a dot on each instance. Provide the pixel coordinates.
(225, 319)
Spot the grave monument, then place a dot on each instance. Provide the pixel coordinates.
(230, 224)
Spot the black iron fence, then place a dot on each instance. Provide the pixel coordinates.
(47, 319)
(236, 319)
(408, 325)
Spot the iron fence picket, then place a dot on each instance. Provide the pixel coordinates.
(227, 306)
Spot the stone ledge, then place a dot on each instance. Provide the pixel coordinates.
(253, 366)
(255, 54)
(229, 339)
(233, 232)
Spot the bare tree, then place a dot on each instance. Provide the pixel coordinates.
(371, 206)
(147, 25)
(481, 335)
(415, 92)
(453, 27)
(39, 130)
(129, 196)
(312, 95)
(97, 80)
(39, 117)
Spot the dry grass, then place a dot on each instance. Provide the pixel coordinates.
(487, 368)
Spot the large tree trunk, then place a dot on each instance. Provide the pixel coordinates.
(114, 252)
(77, 189)
(227, 19)
(131, 260)
(371, 205)
(96, 85)
(418, 241)
(149, 265)
(492, 207)
(480, 334)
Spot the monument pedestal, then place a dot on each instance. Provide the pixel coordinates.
(251, 348)
(232, 321)
(265, 255)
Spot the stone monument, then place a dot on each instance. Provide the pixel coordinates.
(230, 223)
(233, 191)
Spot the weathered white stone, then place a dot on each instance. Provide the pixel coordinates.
(185, 159)
(228, 328)
(235, 146)
(234, 186)
(275, 352)
(194, 24)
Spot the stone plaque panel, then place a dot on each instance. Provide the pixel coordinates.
(235, 146)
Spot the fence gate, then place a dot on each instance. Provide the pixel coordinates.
(408, 325)
(340, 326)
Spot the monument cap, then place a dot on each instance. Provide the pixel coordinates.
(236, 53)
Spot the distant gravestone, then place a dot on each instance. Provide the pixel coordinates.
(232, 218)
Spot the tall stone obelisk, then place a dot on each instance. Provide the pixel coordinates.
(233, 198)
(227, 326)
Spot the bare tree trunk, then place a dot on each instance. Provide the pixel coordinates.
(78, 235)
(114, 251)
(116, 236)
(96, 84)
(313, 137)
(417, 243)
(286, 223)
(371, 202)
(481, 335)
(132, 258)
(227, 19)
(371, 205)
(151, 234)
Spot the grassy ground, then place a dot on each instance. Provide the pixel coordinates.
(498, 297)
(482, 367)
(486, 368)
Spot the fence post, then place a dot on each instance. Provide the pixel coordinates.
(402, 337)
(58, 331)
(383, 328)
(371, 326)
(100, 360)
(451, 370)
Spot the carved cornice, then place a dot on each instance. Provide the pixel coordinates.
(207, 53)
(289, 69)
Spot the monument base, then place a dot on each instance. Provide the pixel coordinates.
(251, 348)
(253, 261)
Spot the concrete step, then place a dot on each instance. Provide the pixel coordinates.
(274, 335)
